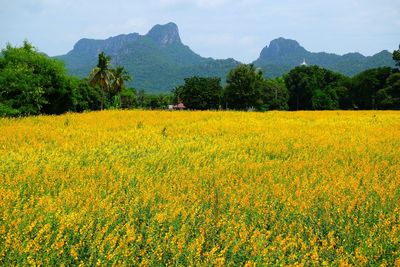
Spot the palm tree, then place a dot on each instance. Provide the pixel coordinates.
(120, 77)
(102, 75)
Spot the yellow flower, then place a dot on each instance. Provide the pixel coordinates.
(223, 188)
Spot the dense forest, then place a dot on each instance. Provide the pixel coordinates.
(32, 83)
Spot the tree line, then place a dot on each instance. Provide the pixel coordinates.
(303, 88)
(32, 83)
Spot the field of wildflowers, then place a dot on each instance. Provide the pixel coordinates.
(201, 188)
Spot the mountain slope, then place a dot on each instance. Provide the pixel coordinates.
(284, 54)
(158, 61)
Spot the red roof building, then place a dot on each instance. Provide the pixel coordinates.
(180, 106)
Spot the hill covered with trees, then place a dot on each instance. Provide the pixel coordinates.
(282, 55)
(160, 61)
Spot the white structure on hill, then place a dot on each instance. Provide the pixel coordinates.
(304, 63)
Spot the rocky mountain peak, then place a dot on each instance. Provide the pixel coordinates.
(111, 45)
(165, 35)
(280, 47)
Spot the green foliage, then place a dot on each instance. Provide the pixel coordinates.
(200, 93)
(155, 101)
(128, 98)
(21, 93)
(275, 94)
(364, 87)
(157, 67)
(244, 87)
(111, 81)
(343, 93)
(313, 88)
(84, 96)
(389, 97)
(318, 89)
(131, 98)
(396, 56)
(102, 76)
(141, 98)
(31, 83)
(120, 76)
(28, 80)
(247, 88)
(326, 99)
(282, 55)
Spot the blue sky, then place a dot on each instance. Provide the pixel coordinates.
(212, 28)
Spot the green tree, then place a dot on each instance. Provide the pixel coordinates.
(275, 94)
(389, 97)
(102, 76)
(396, 56)
(156, 101)
(32, 83)
(200, 93)
(365, 85)
(128, 98)
(141, 98)
(120, 76)
(315, 88)
(111, 81)
(325, 99)
(301, 84)
(244, 87)
(84, 96)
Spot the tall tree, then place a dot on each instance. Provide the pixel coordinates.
(244, 89)
(200, 93)
(389, 97)
(275, 94)
(315, 88)
(365, 85)
(102, 75)
(120, 76)
(32, 83)
(301, 83)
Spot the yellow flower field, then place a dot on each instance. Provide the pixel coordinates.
(201, 189)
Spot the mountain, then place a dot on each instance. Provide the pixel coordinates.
(284, 54)
(158, 61)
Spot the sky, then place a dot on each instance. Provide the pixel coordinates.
(237, 29)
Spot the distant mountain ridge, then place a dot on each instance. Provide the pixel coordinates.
(159, 61)
(284, 54)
